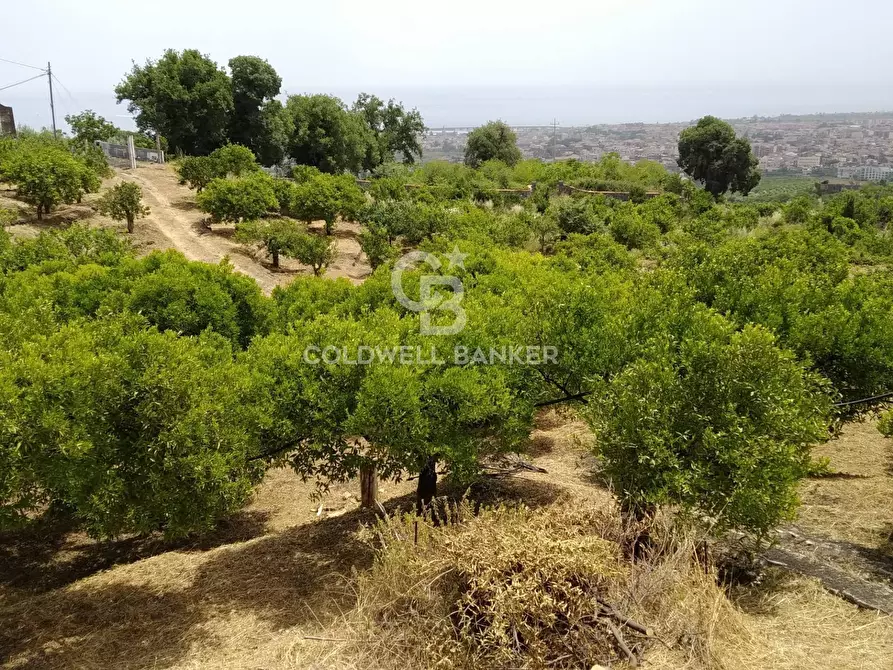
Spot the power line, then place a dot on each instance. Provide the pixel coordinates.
(24, 81)
(12, 62)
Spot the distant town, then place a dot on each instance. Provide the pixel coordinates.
(856, 147)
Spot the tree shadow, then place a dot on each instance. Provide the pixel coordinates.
(154, 617)
(52, 553)
(185, 205)
(116, 625)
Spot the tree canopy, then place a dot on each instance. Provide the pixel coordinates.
(492, 141)
(710, 152)
(184, 96)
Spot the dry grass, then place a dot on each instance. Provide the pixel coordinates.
(855, 504)
(249, 595)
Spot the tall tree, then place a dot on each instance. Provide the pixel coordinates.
(492, 141)
(395, 130)
(326, 134)
(711, 153)
(256, 117)
(89, 127)
(184, 96)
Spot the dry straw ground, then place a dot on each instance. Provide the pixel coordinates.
(283, 572)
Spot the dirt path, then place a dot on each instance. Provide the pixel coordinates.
(175, 215)
(177, 219)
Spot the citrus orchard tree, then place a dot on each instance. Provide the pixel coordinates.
(277, 236)
(45, 176)
(153, 432)
(240, 199)
(123, 202)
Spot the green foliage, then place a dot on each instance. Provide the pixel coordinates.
(578, 215)
(46, 176)
(315, 251)
(184, 96)
(631, 230)
(718, 422)
(326, 197)
(710, 153)
(89, 127)
(123, 202)
(326, 135)
(394, 131)
(796, 282)
(277, 236)
(492, 141)
(375, 244)
(233, 160)
(130, 429)
(197, 171)
(241, 199)
(885, 425)
(253, 123)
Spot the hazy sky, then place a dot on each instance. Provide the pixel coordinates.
(581, 61)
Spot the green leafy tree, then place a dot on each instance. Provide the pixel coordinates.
(492, 141)
(546, 231)
(184, 96)
(277, 236)
(719, 424)
(395, 131)
(88, 127)
(326, 135)
(709, 152)
(197, 172)
(233, 160)
(255, 85)
(326, 197)
(241, 199)
(123, 202)
(154, 432)
(315, 251)
(375, 244)
(47, 176)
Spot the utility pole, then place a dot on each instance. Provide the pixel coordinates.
(554, 138)
(52, 104)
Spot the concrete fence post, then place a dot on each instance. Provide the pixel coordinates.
(131, 152)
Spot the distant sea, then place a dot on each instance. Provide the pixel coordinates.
(586, 104)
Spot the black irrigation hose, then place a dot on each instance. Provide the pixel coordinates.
(848, 403)
(883, 396)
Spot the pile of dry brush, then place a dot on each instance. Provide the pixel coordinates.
(514, 587)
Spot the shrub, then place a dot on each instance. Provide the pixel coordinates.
(233, 160)
(374, 243)
(631, 230)
(197, 172)
(239, 199)
(152, 433)
(718, 423)
(278, 237)
(317, 252)
(886, 423)
(46, 176)
(575, 215)
(123, 202)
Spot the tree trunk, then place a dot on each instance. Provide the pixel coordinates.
(427, 486)
(129, 224)
(368, 486)
(638, 519)
(275, 253)
(39, 212)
